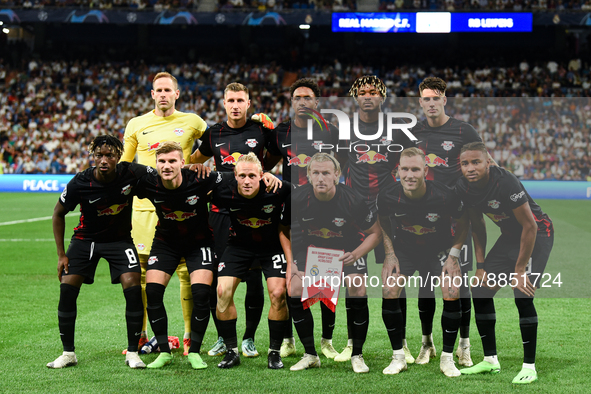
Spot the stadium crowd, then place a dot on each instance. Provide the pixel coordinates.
(334, 5)
(52, 110)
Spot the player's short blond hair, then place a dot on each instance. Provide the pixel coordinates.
(249, 158)
(236, 87)
(165, 74)
(410, 152)
(168, 147)
(322, 157)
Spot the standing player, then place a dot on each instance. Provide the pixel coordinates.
(180, 199)
(421, 213)
(104, 193)
(372, 163)
(518, 258)
(143, 135)
(441, 137)
(255, 216)
(226, 142)
(332, 215)
(289, 141)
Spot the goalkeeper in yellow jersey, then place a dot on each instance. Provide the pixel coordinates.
(143, 135)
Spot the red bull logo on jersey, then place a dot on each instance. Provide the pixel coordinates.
(418, 230)
(232, 159)
(141, 247)
(254, 222)
(325, 233)
(179, 132)
(192, 200)
(251, 142)
(372, 157)
(497, 218)
(112, 210)
(126, 190)
(179, 216)
(221, 266)
(152, 260)
(494, 204)
(300, 160)
(432, 217)
(317, 145)
(154, 146)
(432, 160)
(268, 208)
(385, 141)
(447, 145)
(339, 222)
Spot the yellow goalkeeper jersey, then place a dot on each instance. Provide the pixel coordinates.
(145, 133)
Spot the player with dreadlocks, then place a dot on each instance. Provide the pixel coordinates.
(372, 163)
(104, 193)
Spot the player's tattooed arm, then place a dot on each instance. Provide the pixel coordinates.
(198, 157)
(451, 266)
(59, 229)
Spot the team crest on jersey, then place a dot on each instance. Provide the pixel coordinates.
(494, 204)
(317, 144)
(179, 132)
(141, 246)
(385, 141)
(192, 200)
(268, 208)
(126, 190)
(221, 266)
(432, 217)
(251, 142)
(152, 260)
(447, 145)
(339, 222)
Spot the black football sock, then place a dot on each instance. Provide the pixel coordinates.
(157, 314)
(213, 302)
(360, 319)
(276, 329)
(486, 318)
(426, 313)
(528, 324)
(328, 321)
(402, 299)
(304, 324)
(228, 332)
(134, 316)
(253, 302)
(66, 315)
(200, 315)
(392, 317)
(288, 328)
(466, 306)
(450, 323)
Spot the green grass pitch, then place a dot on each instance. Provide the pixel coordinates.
(29, 333)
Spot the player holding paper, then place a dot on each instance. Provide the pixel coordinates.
(420, 213)
(518, 257)
(332, 215)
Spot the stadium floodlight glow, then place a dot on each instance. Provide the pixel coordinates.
(5, 30)
(304, 27)
(1, 23)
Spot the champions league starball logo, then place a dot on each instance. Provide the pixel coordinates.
(393, 120)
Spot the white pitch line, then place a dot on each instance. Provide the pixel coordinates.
(27, 240)
(32, 220)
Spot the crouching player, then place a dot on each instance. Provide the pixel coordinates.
(104, 193)
(180, 199)
(332, 215)
(255, 215)
(518, 258)
(417, 215)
